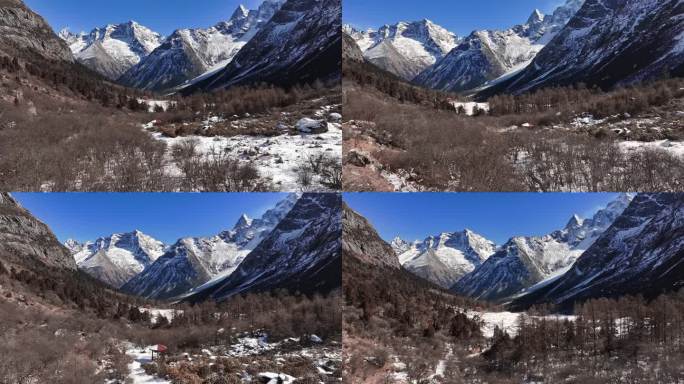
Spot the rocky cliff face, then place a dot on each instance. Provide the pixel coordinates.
(361, 241)
(25, 34)
(27, 242)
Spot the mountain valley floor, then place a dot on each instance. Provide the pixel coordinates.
(561, 139)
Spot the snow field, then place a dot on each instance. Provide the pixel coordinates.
(277, 159)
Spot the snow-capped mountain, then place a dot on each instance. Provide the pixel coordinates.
(524, 262)
(608, 43)
(404, 49)
(641, 253)
(488, 55)
(195, 261)
(194, 54)
(112, 49)
(443, 259)
(361, 240)
(302, 254)
(116, 259)
(301, 43)
(25, 34)
(26, 241)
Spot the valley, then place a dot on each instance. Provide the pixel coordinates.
(234, 308)
(517, 109)
(573, 323)
(115, 100)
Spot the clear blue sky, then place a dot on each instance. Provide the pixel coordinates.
(164, 216)
(458, 16)
(497, 216)
(162, 16)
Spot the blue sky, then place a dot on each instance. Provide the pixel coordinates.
(460, 17)
(164, 216)
(497, 216)
(162, 16)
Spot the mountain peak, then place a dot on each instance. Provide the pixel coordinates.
(243, 221)
(72, 244)
(575, 221)
(536, 17)
(240, 13)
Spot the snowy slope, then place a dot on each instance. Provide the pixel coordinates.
(112, 49)
(300, 44)
(608, 43)
(525, 261)
(189, 54)
(641, 253)
(117, 258)
(301, 254)
(487, 55)
(445, 258)
(405, 49)
(194, 261)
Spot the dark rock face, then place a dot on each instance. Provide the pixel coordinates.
(27, 242)
(24, 33)
(300, 44)
(641, 253)
(302, 254)
(361, 241)
(608, 43)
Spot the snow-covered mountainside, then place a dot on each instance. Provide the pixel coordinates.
(27, 242)
(487, 55)
(191, 53)
(445, 258)
(302, 254)
(608, 43)
(116, 259)
(25, 34)
(194, 261)
(404, 49)
(112, 49)
(301, 43)
(362, 241)
(641, 253)
(524, 262)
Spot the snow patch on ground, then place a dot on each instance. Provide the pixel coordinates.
(277, 159)
(508, 321)
(137, 374)
(156, 313)
(470, 106)
(675, 148)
